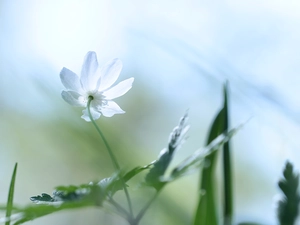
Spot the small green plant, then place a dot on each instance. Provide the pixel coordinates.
(288, 206)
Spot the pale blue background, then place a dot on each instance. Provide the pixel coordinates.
(180, 53)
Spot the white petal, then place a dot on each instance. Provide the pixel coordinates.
(95, 114)
(88, 72)
(109, 73)
(73, 98)
(70, 80)
(97, 104)
(111, 109)
(119, 90)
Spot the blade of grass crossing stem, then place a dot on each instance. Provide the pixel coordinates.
(206, 213)
(10, 197)
(228, 197)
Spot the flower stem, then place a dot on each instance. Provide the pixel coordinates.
(111, 154)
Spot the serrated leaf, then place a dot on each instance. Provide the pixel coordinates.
(198, 158)
(109, 185)
(10, 198)
(155, 176)
(72, 192)
(114, 183)
(63, 194)
(288, 206)
(71, 197)
(42, 198)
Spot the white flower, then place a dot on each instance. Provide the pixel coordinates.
(95, 82)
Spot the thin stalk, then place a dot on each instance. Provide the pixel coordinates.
(119, 208)
(111, 154)
(143, 211)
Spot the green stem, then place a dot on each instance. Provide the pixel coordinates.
(120, 209)
(111, 154)
(143, 211)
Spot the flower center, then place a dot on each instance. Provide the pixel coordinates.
(98, 97)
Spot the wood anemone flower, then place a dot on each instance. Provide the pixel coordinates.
(95, 83)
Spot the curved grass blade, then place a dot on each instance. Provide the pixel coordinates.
(206, 213)
(10, 198)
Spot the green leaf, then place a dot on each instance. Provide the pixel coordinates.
(155, 176)
(69, 197)
(10, 198)
(206, 212)
(113, 184)
(288, 206)
(109, 185)
(199, 157)
(135, 171)
(42, 198)
(64, 194)
(36, 211)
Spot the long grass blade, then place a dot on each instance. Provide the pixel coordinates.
(10, 198)
(228, 197)
(206, 213)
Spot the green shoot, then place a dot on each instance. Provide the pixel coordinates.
(10, 198)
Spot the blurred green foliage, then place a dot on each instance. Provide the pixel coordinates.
(62, 149)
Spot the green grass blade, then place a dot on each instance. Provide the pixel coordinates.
(228, 197)
(10, 198)
(206, 213)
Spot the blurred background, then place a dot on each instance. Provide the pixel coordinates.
(180, 53)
